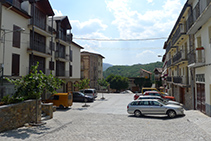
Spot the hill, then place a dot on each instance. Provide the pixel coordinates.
(106, 65)
(131, 71)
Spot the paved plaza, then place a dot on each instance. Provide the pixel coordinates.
(107, 120)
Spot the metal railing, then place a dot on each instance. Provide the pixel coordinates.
(62, 55)
(62, 73)
(191, 57)
(196, 57)
(180, 30)
(40, 48)
(181, 55)
(181, 79)
(15, 3)
(169, 62)
(197, 11)
(169, 79)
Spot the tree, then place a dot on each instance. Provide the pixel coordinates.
(103, 83)
(34, 84)
(117, 82)
(82, 84)
(142, 82)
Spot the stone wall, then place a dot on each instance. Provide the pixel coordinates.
(16, 115)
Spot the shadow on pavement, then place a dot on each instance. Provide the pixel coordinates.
(63, 109)
(156, 117)
(24, 133)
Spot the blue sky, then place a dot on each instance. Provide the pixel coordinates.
(121, 19)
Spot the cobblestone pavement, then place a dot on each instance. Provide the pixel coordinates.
(107, 120)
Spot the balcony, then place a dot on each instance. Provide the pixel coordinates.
(15, 5)
(62, 56)
(196, 58)
(169, 79)
(199, 16)
(169, 62)
(179, 34)
(44, 70)
(179, 57)
(39, 50)
(182, 80)
(62, 73)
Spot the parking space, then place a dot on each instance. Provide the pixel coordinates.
(107, 119)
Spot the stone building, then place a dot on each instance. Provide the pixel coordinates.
(92, 67)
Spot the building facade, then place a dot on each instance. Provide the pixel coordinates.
(92, 68)
(187, 57)
(30, 33)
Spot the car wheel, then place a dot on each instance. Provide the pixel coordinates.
(61, 106)
(171, 114)
(137, 113)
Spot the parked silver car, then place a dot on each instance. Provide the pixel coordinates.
(160, 98)
(89, 92)
(154, 106)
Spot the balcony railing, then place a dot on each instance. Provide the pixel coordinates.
(191, 57)
(40, 48)
(169, 79)
(197, 11)
(180, 80)
(15, 3)
(196, 57)
(168, 47)
(169, 62)
(180, 30)
(180, 56)
(62, 55)
(63, 73)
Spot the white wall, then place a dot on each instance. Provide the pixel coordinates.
(7, 23)
(76, 63)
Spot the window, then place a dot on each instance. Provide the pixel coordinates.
(71, 70)
(135, 103)
(16, 37)
(155, 103)
(15, 64)
(56, 97)
(51, 65)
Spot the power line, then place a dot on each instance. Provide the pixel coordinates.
(97, 39)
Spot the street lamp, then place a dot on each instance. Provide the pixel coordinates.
(6, 31)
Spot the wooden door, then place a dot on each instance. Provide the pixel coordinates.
(201, 97)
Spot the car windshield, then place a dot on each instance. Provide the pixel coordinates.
(162, 102)
(81, 93)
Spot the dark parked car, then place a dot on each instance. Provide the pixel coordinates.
(80, 97)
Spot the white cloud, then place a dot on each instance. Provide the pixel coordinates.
(133, 24)
(150, 1)
(90, 26)
(57, 12)
(147, 56)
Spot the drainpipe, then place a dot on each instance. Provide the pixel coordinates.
(1, 39)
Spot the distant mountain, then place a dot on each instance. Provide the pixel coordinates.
(131, 71)
(106, 65)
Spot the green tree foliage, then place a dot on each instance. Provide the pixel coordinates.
(142, 82)
(34, 84)
(103, 83)
(131, 71)
(117, 82)
(82, 84)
